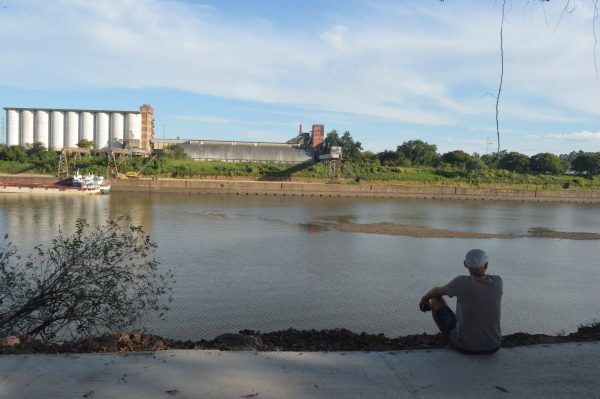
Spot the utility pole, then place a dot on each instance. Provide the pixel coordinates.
(488, 146)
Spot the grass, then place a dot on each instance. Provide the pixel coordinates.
(368, 172)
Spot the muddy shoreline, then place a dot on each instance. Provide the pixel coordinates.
(427, 232)
(284, 340)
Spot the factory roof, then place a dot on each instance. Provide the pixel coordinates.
(70, 109)
(222, 142)
(246, 152)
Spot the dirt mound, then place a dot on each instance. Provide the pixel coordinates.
(413, 231)
(109, 342)
(284, 340)
(565, 235)
(428, 232)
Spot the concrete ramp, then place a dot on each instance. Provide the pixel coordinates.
(556, 371)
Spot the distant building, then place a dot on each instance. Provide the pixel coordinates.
(303, 148)
(63, 128)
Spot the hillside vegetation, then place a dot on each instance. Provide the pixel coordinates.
(413, 163)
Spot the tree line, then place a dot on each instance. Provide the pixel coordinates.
(416, 153)
(419, 153)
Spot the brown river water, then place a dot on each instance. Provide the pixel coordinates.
(269, 263)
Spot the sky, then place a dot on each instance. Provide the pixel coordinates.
(388, 71)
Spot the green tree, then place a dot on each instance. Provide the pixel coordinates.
(331, 139)
(36, 150)
(175, 151)
(3, 152)
(368, 156)
(476, 164)
(587, 163)
(16, 153)
(567, 159)
(97, 279)
(389, 158)
(546, 163)
(456, 158)
(493, 160)
(351, 149)
(419, 152)
(515, 162)
(83, 143)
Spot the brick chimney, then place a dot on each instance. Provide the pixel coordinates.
(318, 137)
(147, 127)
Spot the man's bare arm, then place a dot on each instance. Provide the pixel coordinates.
(432, 293)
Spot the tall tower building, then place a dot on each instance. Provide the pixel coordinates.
(318, 137)
(147, 127)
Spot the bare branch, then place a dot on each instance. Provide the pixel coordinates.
(501, 75)
(96, 279)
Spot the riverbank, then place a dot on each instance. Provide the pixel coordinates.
(321, 189)
(284, 340)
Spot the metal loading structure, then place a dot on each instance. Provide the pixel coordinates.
(63, 160)
(336, 166)
(116, 158)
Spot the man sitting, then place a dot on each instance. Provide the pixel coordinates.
(475, 329)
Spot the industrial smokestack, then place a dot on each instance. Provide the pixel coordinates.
(300, 130)
(318, 137)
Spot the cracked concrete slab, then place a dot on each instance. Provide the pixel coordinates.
(558, 371)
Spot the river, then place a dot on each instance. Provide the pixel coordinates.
(248, 262)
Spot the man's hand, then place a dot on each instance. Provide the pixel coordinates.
(435, 292)
(424, 304)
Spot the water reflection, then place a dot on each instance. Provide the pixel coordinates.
(271, 263)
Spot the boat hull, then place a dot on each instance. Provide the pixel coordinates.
(49, 189)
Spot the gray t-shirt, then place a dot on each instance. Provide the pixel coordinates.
(477, 312)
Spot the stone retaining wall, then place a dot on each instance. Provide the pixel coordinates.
(195, 186)
(293, 188)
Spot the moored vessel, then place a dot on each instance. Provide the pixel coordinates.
(77, 185)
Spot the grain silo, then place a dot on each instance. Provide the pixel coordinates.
(133, 126)
(117, 127)
(41, 133)
(57, 130)
(26, 127)
(63, 128)
(71, 129)
(12, 127)
(102, 131)
(86, 128)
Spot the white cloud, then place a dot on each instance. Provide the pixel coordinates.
(335, 37)
(203, 118)
(419, 64)
(558, 143)
(578, 137)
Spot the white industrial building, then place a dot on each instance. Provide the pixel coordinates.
(63, 128)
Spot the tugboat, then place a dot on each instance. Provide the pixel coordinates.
(90, 182)
(78, 185)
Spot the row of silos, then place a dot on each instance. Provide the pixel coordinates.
(58, 129)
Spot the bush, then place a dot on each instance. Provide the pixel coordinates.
(456, 158)
(546, 163)
(476, 165)
(587, 163)
(83, 143)
(98, 278)
(515, 162)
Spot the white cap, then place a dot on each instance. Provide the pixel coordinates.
(476, 259)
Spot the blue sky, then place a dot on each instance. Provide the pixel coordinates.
(387, 71)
